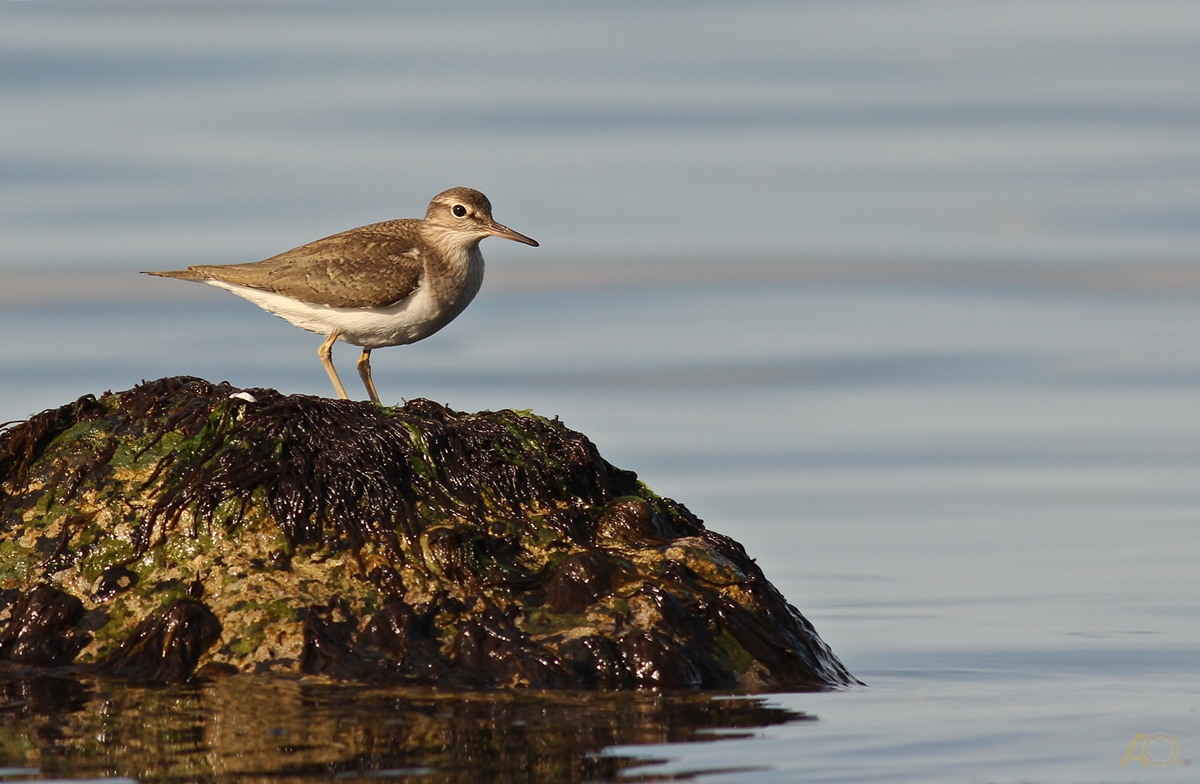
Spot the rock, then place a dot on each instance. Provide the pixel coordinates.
(184, 524)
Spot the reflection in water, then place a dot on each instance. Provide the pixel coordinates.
(246, 726)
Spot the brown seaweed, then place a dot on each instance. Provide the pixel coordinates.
(166, 647)
(41, 628)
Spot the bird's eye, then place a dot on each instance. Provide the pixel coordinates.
(458, 210)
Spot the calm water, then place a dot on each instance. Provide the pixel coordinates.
(166, 133)
(981, 489)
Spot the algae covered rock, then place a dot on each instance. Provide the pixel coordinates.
(184, 524)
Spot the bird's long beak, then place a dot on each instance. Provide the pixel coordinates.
(497, 230)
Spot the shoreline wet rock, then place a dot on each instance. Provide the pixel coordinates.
(185, 524)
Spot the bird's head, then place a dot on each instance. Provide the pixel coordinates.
(464, 216)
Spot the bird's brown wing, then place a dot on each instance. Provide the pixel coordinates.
(355, 269)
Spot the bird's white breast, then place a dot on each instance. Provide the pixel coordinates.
(417, 316)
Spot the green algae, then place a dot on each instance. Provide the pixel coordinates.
(16, 562)
(105, 552)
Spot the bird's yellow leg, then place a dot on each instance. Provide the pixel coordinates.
(326, 355)
(364, 370)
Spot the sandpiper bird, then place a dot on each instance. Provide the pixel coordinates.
(386, 284)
